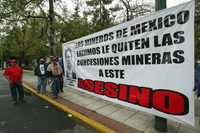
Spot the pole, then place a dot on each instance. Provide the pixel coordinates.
(2, 56)
(160, 123)
(160, 4)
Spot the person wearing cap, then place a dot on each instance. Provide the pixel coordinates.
(13, 74)
(41, 72)
(55, 71)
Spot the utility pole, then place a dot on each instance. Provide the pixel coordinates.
(2, 56)
(51, 27)
(160, 4)
(160, 123)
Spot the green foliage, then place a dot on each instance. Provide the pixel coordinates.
(24, 30)
(25, 26)
(75, 27)
(101, 18)
(25, 43)
(197, 29)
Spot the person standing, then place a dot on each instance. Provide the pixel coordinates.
(55, 71)
(14, 74)
(60, 61)
(41, 72)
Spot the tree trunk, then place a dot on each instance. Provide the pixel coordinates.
(51, 27)
(22, 58)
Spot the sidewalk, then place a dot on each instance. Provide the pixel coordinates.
(116, 116)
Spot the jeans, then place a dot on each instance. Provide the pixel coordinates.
(17, 89)
(42, 83)
(55, 85)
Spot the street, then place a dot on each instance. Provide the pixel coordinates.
(34, 116)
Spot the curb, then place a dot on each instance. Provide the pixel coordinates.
(96, 125)
(27, 70)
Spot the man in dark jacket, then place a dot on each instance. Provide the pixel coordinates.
(41, 72)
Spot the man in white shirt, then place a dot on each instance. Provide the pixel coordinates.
(55, 71)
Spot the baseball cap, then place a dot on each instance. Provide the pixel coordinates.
(13, 61)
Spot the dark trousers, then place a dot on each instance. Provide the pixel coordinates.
(61, 83)
(17, 91)
(55, 85)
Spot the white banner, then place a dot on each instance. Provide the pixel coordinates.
(146, 63)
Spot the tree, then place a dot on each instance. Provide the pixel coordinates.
(28, 26)
(73, 28)
(26, 42)
(100, 14)
(20, 11)
(51, 27)
(132, 9)
(197, 29)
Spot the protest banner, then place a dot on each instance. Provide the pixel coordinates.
(146, 63)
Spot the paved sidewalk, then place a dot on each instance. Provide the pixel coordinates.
(33, 116)
(130, 117)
